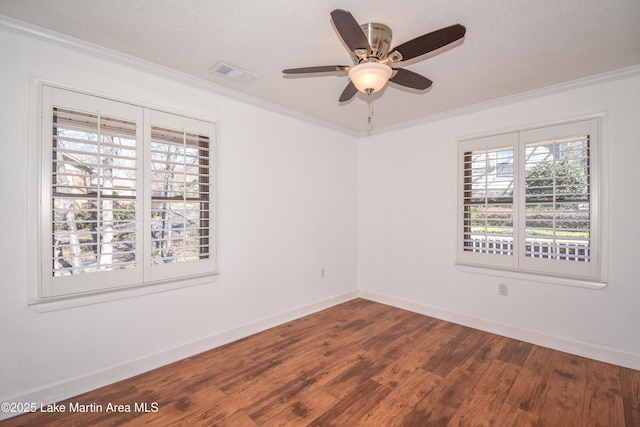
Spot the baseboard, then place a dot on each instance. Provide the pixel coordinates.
(580, 348)
(59, 391)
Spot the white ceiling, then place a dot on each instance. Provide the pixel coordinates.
(511, 46)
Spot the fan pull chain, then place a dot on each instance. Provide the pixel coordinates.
(370, 119)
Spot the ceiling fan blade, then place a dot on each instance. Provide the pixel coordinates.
(430, 42)
(350, 30)
(348, 92)
(410, 79)
(320, 69)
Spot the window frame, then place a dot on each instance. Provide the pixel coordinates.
(114, 284)
(592, 274)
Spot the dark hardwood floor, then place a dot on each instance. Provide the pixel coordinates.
(366, 364)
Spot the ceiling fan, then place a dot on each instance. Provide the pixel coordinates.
(375, 63)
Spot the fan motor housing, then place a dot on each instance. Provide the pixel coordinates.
(379, 37)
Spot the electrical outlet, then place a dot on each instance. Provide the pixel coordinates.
(503, 289)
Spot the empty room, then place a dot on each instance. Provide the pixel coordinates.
(320, 213)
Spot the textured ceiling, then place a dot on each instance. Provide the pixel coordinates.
(511, 46)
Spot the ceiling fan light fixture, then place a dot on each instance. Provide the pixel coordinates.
(370, 77)
(369, 46)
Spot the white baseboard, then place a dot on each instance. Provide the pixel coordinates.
(59, 391)
(62, 390)
(580, 348)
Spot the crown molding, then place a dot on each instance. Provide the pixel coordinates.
(38, 33)
(48, 36)
(619, 74)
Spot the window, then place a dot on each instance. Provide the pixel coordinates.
(126, 197)
(529, 201)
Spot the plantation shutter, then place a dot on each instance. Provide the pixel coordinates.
(91, 170)
(182, 232)
(487, 205)
(527, 201)
(488, 202)
(557, 199)
(558, 220)
(127, 197)
(180, 195)
(94, 192)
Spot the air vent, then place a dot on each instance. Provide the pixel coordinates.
(233, 73)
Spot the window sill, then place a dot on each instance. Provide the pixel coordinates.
(554, 280)
(80, 300)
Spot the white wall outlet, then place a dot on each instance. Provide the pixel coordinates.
(503, 289)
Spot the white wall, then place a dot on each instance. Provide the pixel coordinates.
(288, 208)
(407, 210)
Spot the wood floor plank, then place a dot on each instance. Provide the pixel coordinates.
(367, 364)
(209, 405)
(483, 404)
(563, 404)
(237, 419)
(515, 352)
(304, 407)
(278, 394)
(603, 406)
(487, 350)
(455, 352)
(354, 406)
(438, 406)
(510, 416)
(242, 378)
(419, 352)
(530, 388)
(356, 374)
(402, 400)
(630, 384)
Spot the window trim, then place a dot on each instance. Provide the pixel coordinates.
(37, 211)
(532, 277)
(599, 201)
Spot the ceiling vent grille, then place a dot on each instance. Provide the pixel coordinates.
(233, 73)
